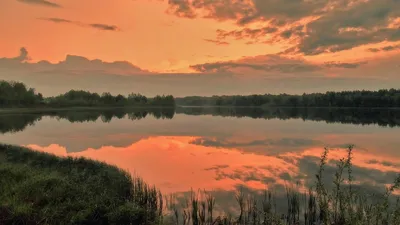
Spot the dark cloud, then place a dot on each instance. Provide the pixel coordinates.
(384, 163)
(41, 2)
(181, 8)
(78, 64)
(17, 61)
(359, 24)
(331, 26)
(217, 167)
(267, 63)
(246, 33)
(98, 26)
(23, 55)
(294, 31)
(270, 63)
(385, 49)
(57, 20)
(246, 11)
(217, 9)
(344, 65)
(217, 42)
(104, 27)
(267, 35)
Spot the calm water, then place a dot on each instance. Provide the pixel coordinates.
(219, 149)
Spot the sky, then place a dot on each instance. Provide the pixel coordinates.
(200, 47)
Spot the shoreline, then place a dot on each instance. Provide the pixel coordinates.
(77, 108)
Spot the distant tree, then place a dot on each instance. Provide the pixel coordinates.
(381, 98)
(16, 94)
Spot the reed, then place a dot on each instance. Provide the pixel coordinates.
(341, 205)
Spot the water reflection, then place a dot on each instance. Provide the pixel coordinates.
(221, 151)
(382, 117)
(175, 165)
(15, 122)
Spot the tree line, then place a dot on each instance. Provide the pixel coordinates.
(17, 94)
(368, 99)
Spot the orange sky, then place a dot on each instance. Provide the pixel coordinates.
(149, 36)
(338, 38)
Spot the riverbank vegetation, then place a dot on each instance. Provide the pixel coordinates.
(17, 94)
(366, 99)
(38, 188)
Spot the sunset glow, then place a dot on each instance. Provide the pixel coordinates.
(243, 44)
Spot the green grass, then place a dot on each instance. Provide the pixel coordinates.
(38, 188)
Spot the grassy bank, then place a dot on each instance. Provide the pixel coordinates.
(38, 188)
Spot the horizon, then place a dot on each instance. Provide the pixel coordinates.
(201, 48)
(210, 96)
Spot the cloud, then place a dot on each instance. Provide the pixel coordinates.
(266, 63)
(344, 65)
(17, 61)
(359, 24)
(181, 8)
(41, 2)
(385, 49)
(317, 26)
(249, 75)
(78, 64)
(246, 33)
(384, 163)
(217, 42)
(57, 20)
(270, 64)
(217, 167)
(98, 26)
(245, 11)
(23, 55)
(104, 26)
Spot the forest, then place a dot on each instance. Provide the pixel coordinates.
(17, 94)
(367, 99)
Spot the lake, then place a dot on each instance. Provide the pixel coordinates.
(219, 149)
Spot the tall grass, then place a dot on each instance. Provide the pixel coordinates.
(38, 188)
(342, 205)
